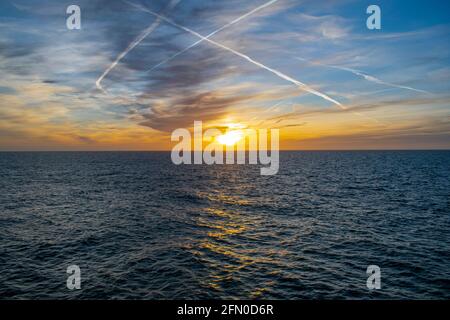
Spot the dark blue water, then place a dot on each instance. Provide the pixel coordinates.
(140, 227)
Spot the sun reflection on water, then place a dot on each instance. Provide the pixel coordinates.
(220, 250)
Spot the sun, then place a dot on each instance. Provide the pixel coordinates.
(230, 138)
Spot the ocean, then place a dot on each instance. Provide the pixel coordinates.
(140, 227)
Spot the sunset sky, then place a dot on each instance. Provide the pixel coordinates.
(362, 89)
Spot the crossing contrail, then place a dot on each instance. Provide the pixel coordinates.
(259, 64)
(133, 44)
(365, 76)
(212, 34)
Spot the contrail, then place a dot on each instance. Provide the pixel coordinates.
(213, 33)
(133, 44)
(365, 76)
(276, 72)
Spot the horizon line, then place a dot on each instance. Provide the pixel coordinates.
(283, 150)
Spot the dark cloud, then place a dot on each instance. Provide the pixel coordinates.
(184, 111)
(85, 139)
(187, 74)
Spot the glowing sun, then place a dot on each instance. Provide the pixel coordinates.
(230, 138)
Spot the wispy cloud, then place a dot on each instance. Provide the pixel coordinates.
(246, 57)
(364, 76)
(213, 33)
(133, 44)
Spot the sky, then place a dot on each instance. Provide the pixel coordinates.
(137, 70)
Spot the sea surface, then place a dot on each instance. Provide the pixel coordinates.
(140, 227)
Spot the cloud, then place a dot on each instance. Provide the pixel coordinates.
(229, 24)
(276, 72)
(48, 93)
(182, 112)
(365, 76)
(363, 107)
(85, 139)
(134, 43)
(7, 90)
